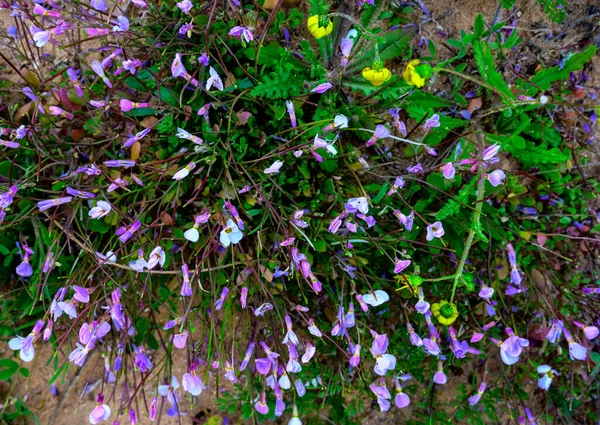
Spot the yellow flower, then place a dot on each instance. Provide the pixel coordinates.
(445, 312)
(376, 76)
(411, 75)
(319, 26)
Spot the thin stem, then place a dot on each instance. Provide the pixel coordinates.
(366, 33)
(470, 237)
(472, 79)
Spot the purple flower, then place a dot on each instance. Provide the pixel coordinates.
(432, 122)
(221, 300)
(261, 405)
(185, 6)
(511, 348)
(203, 59)
(100, 413)
(177, 68)
(448, 171)
(489, 154)
(142, 362)
(496, 177)
(474, 399)
(44, 205)
(292, 113)
(24, 269)
(322, 88)
(440, 377)
(192, 383)
(415, 169)
(556, 329)
(400, 265)
(242, 33)
(179, 340)
(486, 292)
(381, 132)
(435, 230)
(99, 5)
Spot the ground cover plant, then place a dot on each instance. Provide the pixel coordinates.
(307, 211)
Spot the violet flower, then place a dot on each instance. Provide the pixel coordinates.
(322, 88)
(44, 205)
(261, 405)
(474, 399)
(242, 33)
(435, 230)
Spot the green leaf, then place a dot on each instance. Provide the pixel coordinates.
(6, 374)
(545, 78)
(98, 226)
(279, 85)
(384, 188)
(9, 364)
(479, 25)
(24, 372)
(487, 68)
(320, 245)
(391, 92)
(394, 45)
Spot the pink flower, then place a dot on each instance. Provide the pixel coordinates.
(400, 265)
(448, 171)
(100, 413)
(322, 88)
(179, 340)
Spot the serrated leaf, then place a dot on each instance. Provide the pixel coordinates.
(487, 68)
(545, 78)
(278, 85)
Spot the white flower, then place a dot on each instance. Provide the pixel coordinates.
(214, 80)
(156, 256)
(340, 121)
(274, 168)
(110, 257)
(379, 298)
(181, 174)
(361, 204)
(192, 235)
(101, 209)
(138, 265)
(182, 134)
(26, 351)
(230, 234)
(547, 375)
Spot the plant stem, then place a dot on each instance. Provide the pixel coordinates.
(470, 237)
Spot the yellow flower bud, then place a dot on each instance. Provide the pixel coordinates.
(319, 26)
(411, 76)
(446, 313)
(376, 77)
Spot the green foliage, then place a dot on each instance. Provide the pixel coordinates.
(487, 68)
